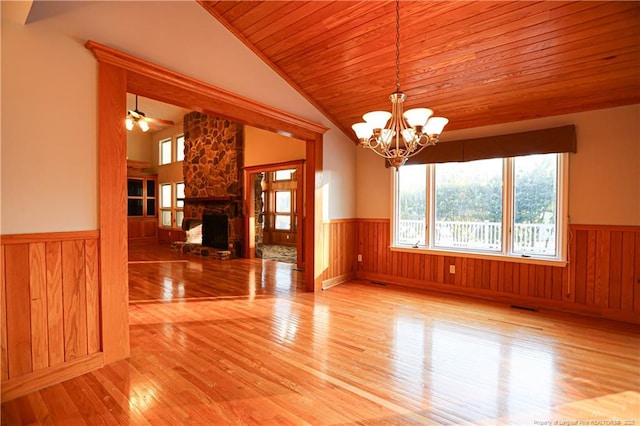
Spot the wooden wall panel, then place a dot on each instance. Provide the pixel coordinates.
(340, 237)
(636, 276)
(38, 296)
(93, 295)
(591, 268)
(4, 365)
(50, 307)
(74, 300)
(615, 277)
(630, 253)
(17, 305)
(603, 259)
(54, 302)
(602, 277)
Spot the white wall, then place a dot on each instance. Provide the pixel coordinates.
(139, 145)
(49, 167)
(172, 172)
(604, 175)
(263, 147)
(373, 186)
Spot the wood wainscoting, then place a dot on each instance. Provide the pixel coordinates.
(340, 237)
(602, 277)
(50, 309)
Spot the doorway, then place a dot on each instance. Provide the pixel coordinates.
(119, 73)
(274, 197)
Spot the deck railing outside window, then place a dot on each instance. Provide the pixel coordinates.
(528, 238)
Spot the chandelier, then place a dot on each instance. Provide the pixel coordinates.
(395, 135)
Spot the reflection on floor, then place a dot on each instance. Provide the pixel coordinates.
(355, 354)
(157, 273)
(286, 254)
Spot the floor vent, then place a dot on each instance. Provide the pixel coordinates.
(377, 283)
(524, 308)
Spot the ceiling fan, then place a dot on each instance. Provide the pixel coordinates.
(145, 123)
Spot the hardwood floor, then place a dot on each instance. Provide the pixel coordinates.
(157, 273)
(242, 344)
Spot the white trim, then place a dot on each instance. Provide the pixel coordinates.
(486, 256)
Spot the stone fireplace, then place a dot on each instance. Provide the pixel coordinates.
(213, 163)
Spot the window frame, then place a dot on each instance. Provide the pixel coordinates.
(277, 213)
(278, 179)
(161, 160)
(179, 155)
(508, 218)
(173, 207)
(178, 205)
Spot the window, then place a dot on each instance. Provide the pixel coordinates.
(180, 148)
(172, 205)
(535, 205)
(165, 205)
(283, 210)
(179, 204)
(165, 151)
(508, 206)
(141, 196)
(283, 174)
(468, 205)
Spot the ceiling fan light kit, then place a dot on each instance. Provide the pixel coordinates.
(398, 135)
(144, 123)
(130, 122)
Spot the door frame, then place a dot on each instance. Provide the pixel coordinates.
(119, 73)
(249, 206)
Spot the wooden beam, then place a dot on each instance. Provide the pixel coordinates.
(165, 85)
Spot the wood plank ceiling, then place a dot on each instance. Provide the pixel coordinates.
(476, 63)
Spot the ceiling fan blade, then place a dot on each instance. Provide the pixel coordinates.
(160, 121)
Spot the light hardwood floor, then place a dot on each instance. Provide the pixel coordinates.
(239, 342)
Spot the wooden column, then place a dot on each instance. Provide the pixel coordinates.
(312, 239)
(112, 211)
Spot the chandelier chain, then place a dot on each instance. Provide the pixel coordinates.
(397, 45)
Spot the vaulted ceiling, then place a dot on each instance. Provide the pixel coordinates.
(476, 63)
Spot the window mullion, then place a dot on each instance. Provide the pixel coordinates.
(507, 207)
(395, 206)
(429, 218)
(562, 197)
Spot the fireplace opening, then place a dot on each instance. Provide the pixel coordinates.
(215, 231)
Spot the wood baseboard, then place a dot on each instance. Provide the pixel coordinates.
(506, 298)
(340, 279)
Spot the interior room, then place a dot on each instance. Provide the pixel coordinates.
(393, 212)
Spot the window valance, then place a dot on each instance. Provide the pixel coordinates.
(546, 141)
